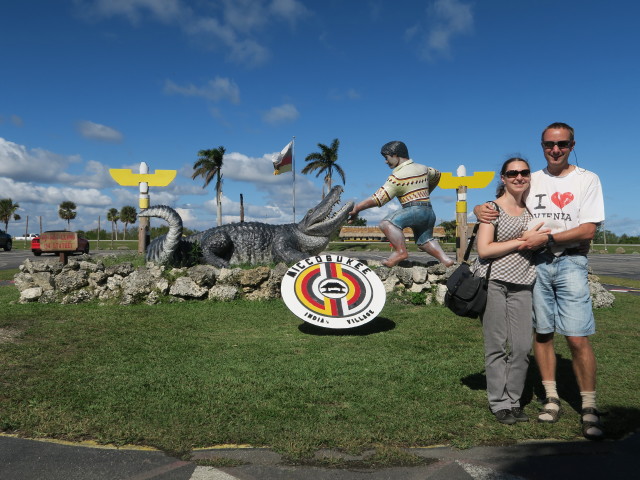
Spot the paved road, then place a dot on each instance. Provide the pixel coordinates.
(22, 459)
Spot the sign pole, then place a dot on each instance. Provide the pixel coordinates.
(461, 183)
(144, 180)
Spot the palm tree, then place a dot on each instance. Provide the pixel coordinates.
(113, 216)
(8, 211)
(67, 211)
(128, 215)
(325, 162)
(208, 165)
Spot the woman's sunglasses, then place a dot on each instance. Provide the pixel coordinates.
(515, 173)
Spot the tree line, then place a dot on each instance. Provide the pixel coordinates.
(67, 210)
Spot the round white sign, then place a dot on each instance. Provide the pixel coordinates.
(333, 291)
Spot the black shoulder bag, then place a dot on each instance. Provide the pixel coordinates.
(467, 295)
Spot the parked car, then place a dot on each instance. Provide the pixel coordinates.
(29, 236)
(5, 241)
(83, 245)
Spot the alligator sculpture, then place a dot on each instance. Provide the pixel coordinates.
(248, 243)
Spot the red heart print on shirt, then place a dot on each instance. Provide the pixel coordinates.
(562, 199)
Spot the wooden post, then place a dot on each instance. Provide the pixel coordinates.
(462, 235)
(143, 234)
(98, 235)
(461, 182)
(241, 209)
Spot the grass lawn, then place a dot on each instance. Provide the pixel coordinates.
(197, 374)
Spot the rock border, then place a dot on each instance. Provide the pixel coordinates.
(86, 278)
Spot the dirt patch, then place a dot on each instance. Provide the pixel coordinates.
(9, 335)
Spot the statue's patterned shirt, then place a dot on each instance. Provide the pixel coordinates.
(409, 182)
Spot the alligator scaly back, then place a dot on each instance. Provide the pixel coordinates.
(252, 242)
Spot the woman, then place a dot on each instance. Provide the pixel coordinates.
(507, 321)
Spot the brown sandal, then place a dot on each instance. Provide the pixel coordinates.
(555, 414)
(586, 424)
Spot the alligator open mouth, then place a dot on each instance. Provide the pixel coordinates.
(322, 220)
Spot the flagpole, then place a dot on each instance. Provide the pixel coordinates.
(293, 160)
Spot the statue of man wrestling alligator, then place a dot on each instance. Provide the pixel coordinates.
(251, 242)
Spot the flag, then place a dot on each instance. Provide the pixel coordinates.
(282, 161)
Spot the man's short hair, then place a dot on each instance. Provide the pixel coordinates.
(556, 126)
(395, 148)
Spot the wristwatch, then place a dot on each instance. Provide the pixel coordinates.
(550, 240)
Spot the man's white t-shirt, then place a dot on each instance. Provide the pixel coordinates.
(565, 202)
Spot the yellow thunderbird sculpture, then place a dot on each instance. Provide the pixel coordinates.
(477, 180)
(144, 180)
(125, 177)
(461, 183)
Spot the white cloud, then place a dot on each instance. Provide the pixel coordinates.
(133, 10)
(281, 114)
(37, 165)
(95, 131)
(27, 192)
(234, 28)
(290, 10)
(449, 18)
(217, 89)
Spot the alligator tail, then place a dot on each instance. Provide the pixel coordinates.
(163, 249)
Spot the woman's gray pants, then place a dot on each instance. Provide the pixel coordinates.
(507, 328)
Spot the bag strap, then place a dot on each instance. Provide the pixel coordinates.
(470, 244)
(473, 237)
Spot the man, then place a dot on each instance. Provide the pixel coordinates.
(411, 183)
(569, 200)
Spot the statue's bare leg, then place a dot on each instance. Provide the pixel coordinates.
(433, 248)
(396, 238)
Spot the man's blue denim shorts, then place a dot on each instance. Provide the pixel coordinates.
(561, 297)
(420, 218)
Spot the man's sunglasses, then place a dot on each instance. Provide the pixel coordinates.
(515, 173)
(560, 144)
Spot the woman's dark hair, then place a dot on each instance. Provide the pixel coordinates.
(395, 148)
(501, 187)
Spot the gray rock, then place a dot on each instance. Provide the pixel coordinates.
(253, 278)
(70, 280)
(203, 275)
(420, 287)
(49, 296)
(122, 269)
(44, 280)
(405, 275)
(440, 291)
(223, 293)
(420, 274)
(79, 296)
(23, 280)
(600, 297)
(30, 295)
(185, 287)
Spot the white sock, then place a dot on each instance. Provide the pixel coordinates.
(550, 391)
(589, 400)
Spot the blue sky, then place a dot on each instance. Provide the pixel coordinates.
(89, 85)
